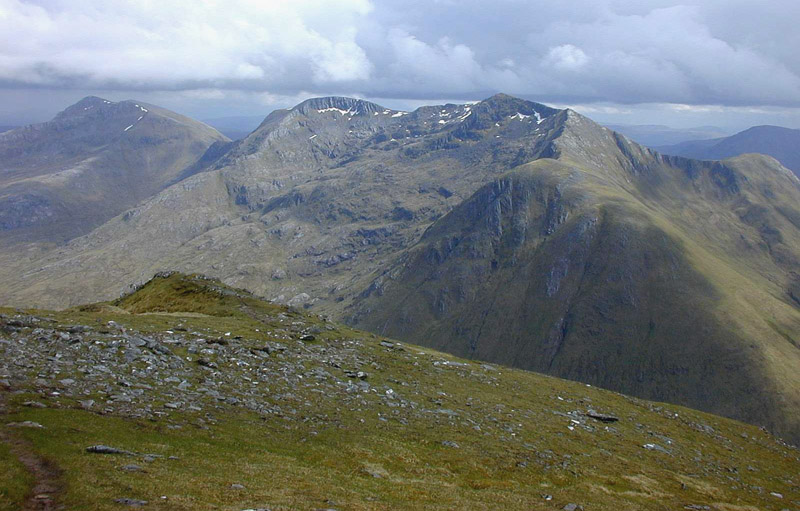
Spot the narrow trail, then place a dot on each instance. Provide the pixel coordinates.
(48, 486)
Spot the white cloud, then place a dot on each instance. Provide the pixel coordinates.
(171, 43)
(566, 57)
(727, 52)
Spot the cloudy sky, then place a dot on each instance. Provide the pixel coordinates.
(731, 63)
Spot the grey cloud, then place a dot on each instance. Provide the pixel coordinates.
(729, 52)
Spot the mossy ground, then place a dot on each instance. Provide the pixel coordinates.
(15, 481)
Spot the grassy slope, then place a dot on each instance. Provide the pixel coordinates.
(14, 480)
(512, 428)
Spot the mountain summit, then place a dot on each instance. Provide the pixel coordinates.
(503, 230)
(61, 178)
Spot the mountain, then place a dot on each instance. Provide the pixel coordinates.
(184, 393)
(612, 264)
(655, 135)
(6, 128)
(235, 127)
(303, 209)
(503, 230)
(93, 161)
(780, 143)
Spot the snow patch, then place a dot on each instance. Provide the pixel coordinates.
(312, 137)
(334, 109)
(129, 127)
(399, 114)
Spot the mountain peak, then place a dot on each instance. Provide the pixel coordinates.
(339, 104)
(84, 105)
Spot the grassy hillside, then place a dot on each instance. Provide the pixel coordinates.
(237, 403)
(666, 279)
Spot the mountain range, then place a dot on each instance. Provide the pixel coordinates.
(778, 142)
(235, 127)
(503, 230)
(656, 135)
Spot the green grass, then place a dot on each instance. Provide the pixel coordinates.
(15, 481)
(328, 453)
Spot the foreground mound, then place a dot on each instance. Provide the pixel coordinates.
(187, 394)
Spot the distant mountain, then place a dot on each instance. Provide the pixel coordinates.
(235, 127)
(7, 128)
(652, 135)
(783, 144)
(503, 230)
(97, 158)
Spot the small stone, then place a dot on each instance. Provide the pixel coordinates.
(104, 449)
(572, 507)
(131, 468)
(66, 382)
(547, 497)
(25, 424)
(172, 406)
(131, 502)
(776, 494)
(450, 443)
(307, 337)
(656, 447)
(237, 486)
(86, 404)
(602, 417)
(34, 404)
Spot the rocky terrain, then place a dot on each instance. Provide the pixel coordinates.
(94, 160)
(187, 394)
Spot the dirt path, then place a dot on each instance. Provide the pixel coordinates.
(48, 486)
